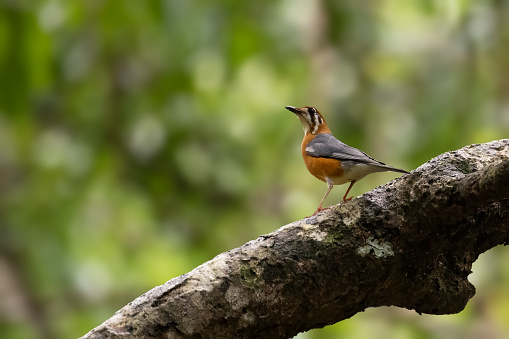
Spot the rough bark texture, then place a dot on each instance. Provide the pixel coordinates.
(409, 243)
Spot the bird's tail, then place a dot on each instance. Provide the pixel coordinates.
(392, 169)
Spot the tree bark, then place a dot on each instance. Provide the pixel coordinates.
(409, 243)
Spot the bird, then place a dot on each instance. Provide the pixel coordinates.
(330, 160)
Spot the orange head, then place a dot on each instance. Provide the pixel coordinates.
(311, 119)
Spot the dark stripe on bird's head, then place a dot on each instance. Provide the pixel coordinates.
(309, 115)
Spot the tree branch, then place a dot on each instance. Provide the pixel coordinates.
(409, 243)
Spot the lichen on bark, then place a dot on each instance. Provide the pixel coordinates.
(409, 243)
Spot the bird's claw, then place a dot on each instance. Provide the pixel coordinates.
(318, 210)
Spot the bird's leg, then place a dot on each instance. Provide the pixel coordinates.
(348, 190)
(330, 184)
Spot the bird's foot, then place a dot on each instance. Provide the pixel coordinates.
(347, 199)
(318, 210)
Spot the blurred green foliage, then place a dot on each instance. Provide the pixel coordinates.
(138, 139)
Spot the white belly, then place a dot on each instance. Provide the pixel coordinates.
(355, 171)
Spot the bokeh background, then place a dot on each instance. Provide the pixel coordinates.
(139, 139)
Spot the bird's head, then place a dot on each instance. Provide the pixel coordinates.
(311, 119)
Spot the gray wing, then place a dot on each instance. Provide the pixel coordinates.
(326, 146)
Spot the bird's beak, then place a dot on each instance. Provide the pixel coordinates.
(293, 109)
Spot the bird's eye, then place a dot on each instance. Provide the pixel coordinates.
(311, 110)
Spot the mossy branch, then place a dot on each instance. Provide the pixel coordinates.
(409, 243)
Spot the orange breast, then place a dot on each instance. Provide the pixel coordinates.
(321, 168)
